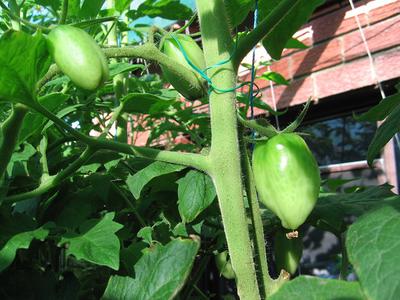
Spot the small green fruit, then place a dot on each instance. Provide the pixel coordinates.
(287, 252)
(287, 178)
(194, 53)
(78, 56)
(224, 265)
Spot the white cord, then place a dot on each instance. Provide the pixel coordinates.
(370, 58)
(371, 61)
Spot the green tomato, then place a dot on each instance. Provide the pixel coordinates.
(78, 56)
(224, 265)
(194, 53)
(287, 178)
(287, 252)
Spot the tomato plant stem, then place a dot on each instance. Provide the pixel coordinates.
(264, 278)
(224, 153)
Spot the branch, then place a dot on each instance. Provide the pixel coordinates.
(52, 181)
(248, 42)
(195, 160)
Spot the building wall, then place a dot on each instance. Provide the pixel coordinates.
(336, 60)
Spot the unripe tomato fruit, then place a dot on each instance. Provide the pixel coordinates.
(171, 48)
(287, 178)
(287, 252)
(224, 265)
(78, 56)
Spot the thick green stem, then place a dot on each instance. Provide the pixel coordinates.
(10, 132)
(264, 278)
(224, 153)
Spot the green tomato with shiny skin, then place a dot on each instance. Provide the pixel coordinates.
(194, 53)
(287, 178)
(78, 56)
(287, 252)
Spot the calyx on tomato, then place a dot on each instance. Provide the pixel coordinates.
(287, 252)
(78, 56)
(194, 53)
(224, 265)
(287, 178)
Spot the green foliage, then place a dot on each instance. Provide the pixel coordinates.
(295, 14)
(21, 240)
(195, 193)
(167, 9)
(23, 61)
(85, 215)
(306, 287)
(138, 181)
(373, 247)
(178, 255)
(96, 242)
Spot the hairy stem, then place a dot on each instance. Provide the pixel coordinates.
(224, 153)
(264, 278)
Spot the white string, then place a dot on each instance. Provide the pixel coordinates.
(271, 85)
(370, 58)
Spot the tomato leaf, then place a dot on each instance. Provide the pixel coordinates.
(138, 181)
(21, 240)
(90, 8)
(195, 193)
(146, 103)
(97, 243)
(293, 14)
(166, 9)
(383, 134)
(238, 10)
(331, 209)
(23, 61)
(174, 261)
(307, 287)
(373, 247)
(380, 111)
(275, 77)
